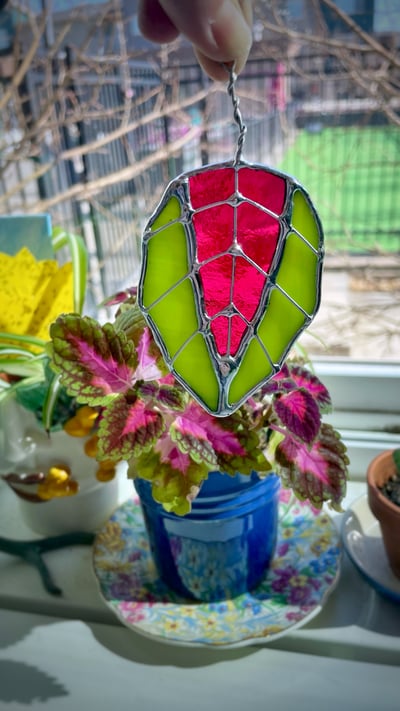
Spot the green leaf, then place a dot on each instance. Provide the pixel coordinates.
(23, 368)
(53, 392)
(131, 320)
(15, 351)
(79, 258)
(170, 487)
(29, 340)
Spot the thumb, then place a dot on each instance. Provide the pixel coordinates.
(220, 30)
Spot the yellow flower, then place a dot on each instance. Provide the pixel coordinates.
(298, 581)
(74, 428)
(321, 544)
(91, 446)
(272, 629)
(106, 471)
(81, 424)
(110, 537)
(87, 416)
(57, 483)
(210, 622)
(288, 532)
(171, 625)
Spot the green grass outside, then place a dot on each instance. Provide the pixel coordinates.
(353, 177)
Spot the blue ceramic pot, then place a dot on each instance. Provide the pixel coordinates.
(224, 546)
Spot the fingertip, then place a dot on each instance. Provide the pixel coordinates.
(218, 70)
(154, 23)
(215, 70)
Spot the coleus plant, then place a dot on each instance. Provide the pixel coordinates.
(147, 418)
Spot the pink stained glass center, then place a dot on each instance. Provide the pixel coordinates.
(220, 293)
(214, 231)
(228, 333)
(248, 287)
(216, 279)
(210, 186)
(257, 234)
(263, 187)
(229, 281)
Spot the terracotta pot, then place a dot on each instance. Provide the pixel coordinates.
(379, 471)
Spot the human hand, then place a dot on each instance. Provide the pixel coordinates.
(220, 30)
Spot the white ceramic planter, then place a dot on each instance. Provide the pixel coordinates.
(25, 447)
(86, 511)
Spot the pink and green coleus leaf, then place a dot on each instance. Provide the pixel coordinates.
(254, 459)
(252, 442)
(202, 437)
(174, 490)
(127, 428)
(171, 454)
(304, 378)
(147, 368)
(293, 376)
(191, 440)
(95, 362)
(299, 413)
(172, 397)
(169, 397)
(317, 472)
(130, 320)
(120, 297)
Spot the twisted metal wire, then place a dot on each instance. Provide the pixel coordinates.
(237, 116)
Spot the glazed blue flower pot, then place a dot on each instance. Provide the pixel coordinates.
(224, 546)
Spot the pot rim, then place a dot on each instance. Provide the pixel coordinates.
(373, 466)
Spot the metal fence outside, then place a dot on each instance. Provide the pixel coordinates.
(116, 139)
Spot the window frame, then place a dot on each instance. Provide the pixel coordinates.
(366, 406)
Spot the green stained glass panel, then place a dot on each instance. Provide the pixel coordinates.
(194, 361)
(303, 219)
(281, 321)
(170, 212)
(176, 317)
(299, 284)
(167, 261)
(253, 369)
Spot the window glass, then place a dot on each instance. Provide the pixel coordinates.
(102, 120)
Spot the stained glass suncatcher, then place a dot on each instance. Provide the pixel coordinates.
(231, 274)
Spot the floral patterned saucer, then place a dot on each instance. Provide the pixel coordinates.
(305, 569)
